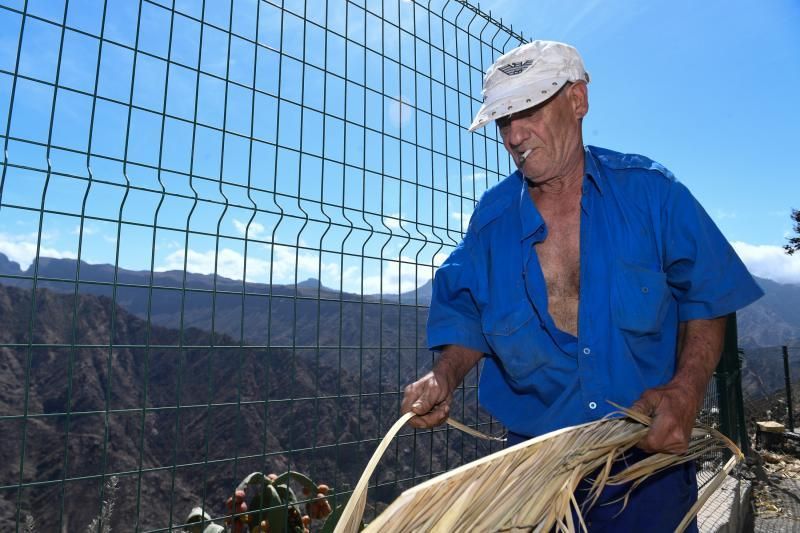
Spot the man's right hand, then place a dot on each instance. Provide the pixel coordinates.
(429, 398)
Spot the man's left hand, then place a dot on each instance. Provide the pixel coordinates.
(673, 409)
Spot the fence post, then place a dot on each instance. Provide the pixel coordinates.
(729, 388)
(787, 375)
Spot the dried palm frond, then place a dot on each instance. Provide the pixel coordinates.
(485, 495)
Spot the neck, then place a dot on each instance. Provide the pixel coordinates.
(568, 180)
(557, 185)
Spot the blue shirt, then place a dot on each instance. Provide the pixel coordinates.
(650, 257)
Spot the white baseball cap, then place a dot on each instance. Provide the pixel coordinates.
(526, 76)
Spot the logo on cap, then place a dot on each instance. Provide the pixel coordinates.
(512, 69)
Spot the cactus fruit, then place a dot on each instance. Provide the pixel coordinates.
(274, 507)
(319, 508)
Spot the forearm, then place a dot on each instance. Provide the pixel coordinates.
(673, 407)
(454, 364)
(699, 348)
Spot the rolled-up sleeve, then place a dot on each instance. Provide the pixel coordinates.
(453, 317)
(705, 275)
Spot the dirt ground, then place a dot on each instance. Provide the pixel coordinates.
(776, 490)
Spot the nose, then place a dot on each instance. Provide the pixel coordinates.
(514, 132)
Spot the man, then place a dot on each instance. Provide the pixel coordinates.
(585, 276)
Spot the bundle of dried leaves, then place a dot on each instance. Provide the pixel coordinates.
(484, 495)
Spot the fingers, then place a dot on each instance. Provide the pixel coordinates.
(428, 400)
(433, 417)
(413, 400)
(648, 403)
(671, 423)
(421, 396)
(421, 402)
(662, 439)
(641, 407)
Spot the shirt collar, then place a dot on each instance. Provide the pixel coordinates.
(592, 171)
(530, 219)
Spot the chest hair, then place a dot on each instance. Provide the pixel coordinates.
(559, 258)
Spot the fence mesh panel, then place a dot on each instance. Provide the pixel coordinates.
(219, 223)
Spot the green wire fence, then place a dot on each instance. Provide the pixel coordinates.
(219, 220)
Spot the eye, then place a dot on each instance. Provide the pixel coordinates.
(504, 122)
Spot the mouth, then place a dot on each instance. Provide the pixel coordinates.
(524, 156)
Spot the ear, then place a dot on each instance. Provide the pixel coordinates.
(579, 98)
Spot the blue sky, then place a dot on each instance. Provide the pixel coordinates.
(704, 88)
(707, 89)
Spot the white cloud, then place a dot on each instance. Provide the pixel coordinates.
(21, 248)
(767, 261)
(402, 274)
(439, 258)
(721, 214)
(461, 218)
(392, 220)
(87, 230)
(480, 175)
(256, 229)
(287, 265)
(230, 264)
(400, 111)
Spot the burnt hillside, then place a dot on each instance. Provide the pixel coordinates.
(182, 421)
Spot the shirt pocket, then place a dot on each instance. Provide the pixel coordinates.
(505, 322)
(508, 332)
(640, 298)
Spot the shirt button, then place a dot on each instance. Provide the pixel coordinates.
(586, 351)
(592, 405)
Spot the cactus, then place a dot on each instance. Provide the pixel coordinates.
(274, 506)
(199, 521)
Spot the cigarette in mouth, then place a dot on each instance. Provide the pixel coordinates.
(525, 155)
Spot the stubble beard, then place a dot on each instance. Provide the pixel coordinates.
(551, 182)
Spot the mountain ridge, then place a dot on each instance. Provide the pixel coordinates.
(771, 321)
